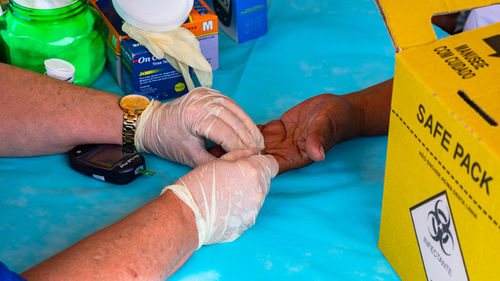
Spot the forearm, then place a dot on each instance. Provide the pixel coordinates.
(372, 108)
(149, 244)
(43, 115)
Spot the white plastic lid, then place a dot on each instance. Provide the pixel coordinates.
(44, 4)
(154, 15)
(60, 69)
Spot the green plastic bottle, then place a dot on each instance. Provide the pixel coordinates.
(64, 29)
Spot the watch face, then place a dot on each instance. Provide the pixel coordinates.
(134, 103)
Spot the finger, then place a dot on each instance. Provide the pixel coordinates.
(224, 128)
(268, 163)
(274, 136)
(212, 101)
(268, 168)
(217, 151)
(197, 156)
(245, 119)
(239, 154)
(284, 164)
(320, 137)
(274, 132)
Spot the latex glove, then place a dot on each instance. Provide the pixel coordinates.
(179, 47)
(177, 130)
(226, 194)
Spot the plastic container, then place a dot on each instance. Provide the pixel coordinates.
(65, 29)
(60, 69)
(154, 15)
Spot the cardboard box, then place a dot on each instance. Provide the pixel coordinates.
(441, 205)
(139, 72)
(242, 20)
(144, 74)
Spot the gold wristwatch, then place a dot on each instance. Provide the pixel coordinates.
(133, 106)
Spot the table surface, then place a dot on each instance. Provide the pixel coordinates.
(317, 223)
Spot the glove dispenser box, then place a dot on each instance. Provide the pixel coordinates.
(137, 71)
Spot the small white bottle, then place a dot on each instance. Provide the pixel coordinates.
(60, 69)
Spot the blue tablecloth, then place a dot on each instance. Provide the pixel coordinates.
(318, 223)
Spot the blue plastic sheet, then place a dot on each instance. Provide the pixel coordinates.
(318, 223)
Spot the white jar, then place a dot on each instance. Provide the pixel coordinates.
(154, 15)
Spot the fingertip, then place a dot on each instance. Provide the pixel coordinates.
(315, 151)
(261, 143)
(272, 164)
(315, 146)
(253, 151)
(257, 138)
(322, 153)
(317, 157)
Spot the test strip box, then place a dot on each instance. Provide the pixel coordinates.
(242, 20)
(137, 71)
(440, 211)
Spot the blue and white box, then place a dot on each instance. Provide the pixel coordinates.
(144, 74)
(242, 20)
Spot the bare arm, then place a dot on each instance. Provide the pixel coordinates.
(42, 115)
(216, 202)
(374, 105)
(149, 244)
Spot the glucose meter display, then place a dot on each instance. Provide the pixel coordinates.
(105, 157)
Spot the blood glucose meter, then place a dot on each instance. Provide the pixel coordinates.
(108, 162)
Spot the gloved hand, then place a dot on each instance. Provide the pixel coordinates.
(226, 194)
(177, 130)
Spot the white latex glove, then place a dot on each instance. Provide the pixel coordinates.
(226, 194)
(177, 130)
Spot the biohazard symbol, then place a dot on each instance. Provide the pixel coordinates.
(494, 43)
(439, 221)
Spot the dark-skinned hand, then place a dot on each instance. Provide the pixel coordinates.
(303, 134)
(306, 131)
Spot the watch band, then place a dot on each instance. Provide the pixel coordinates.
(129, 125)
(132, 106)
